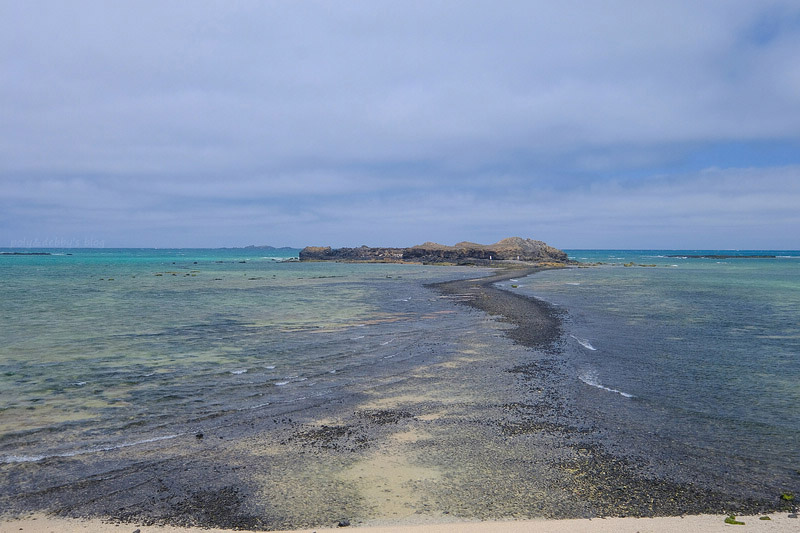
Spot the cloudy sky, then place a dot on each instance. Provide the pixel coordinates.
(587, 124)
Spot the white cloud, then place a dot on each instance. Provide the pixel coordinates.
(312, 108)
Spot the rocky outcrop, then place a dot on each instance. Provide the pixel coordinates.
(511, 249)
(363, 253)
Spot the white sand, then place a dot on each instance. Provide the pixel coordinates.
(705, 523)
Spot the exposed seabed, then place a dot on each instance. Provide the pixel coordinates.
(484, 432)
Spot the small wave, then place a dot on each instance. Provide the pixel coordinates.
(256, 406)
(387, 342)
(282, 383)
(270, 367)
(240, 371)
(36, 458)
(356, 338)
(590, 378)
(572, 283)
(583, 342)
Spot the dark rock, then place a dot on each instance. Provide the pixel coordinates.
(344, 523)
(511, 249)
(219, 507)
(199, 435)
(27, 253)
(326, 253)
(382, 417)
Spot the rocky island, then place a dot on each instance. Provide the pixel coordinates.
(463, 253)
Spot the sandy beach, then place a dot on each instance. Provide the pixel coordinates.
(777, 523)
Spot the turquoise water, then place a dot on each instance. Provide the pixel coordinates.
(701, 355)
(112, 348)
(693, 362)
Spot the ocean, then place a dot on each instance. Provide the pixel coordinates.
(103, 349)
(692, 365)
(694, 359)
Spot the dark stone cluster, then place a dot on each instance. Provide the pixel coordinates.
(511, 249)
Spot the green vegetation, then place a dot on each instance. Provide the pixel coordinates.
(787, 497)
(732, 520)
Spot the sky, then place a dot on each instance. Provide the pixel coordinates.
(585, 124)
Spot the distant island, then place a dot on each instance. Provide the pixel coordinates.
(270, 248)
(463, 253)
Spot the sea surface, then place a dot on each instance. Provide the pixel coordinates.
(690, 361)
(104, 349)
(694, 359)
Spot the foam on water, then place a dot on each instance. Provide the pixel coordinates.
(585, 343)
(590, 378)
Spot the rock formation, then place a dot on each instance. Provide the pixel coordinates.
(511, 249)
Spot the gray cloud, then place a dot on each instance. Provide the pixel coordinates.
(212, 123)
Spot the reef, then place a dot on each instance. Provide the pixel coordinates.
(510, 249)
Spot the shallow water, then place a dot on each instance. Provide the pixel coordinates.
(115, 348)
(691, 369)
(698, 357)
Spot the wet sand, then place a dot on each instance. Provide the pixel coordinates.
(479, 431)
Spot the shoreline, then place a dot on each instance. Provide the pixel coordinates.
(481, 432)
(622, 485)
(777, 523)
